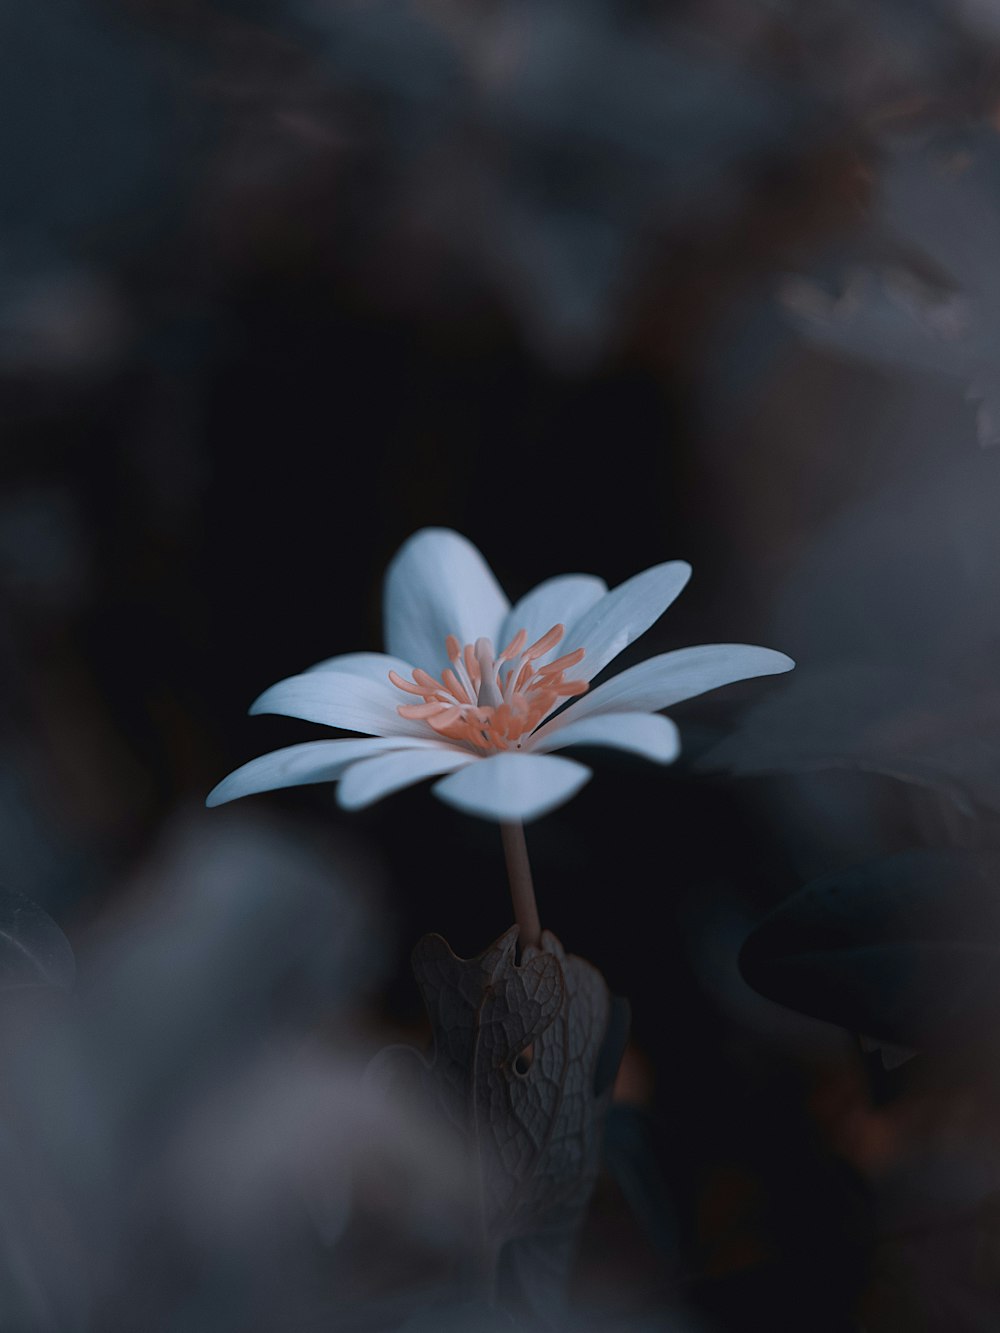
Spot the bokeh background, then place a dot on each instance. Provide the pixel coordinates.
(597, 285)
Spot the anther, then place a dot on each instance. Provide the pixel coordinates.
(489, 709)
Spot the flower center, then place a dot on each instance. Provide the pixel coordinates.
(492, 702)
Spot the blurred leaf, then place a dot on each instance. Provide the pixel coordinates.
(893, 616)
(906, 948)
(539, 144)
(920, 289)
(33, 950)
(874, 718)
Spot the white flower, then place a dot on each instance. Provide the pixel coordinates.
(443, 701)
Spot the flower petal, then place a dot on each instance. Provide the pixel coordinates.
(313, 761)
(620, 616)
(671, 677)
(648, 734)
(370, 780)
(373, 666)
(558, 601)
(340, 699)
(513, 786)
(438, 584)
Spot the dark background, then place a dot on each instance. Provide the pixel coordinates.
(598, 286)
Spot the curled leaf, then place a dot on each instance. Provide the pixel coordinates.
(520, 1069)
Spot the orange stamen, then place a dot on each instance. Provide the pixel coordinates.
(514, 647)
(454, 686)
(547, 641)
(523, 676)
(513, 702)
(471, 665)
(421, 712)
(444, 718)
(562, 663)
(406, 685)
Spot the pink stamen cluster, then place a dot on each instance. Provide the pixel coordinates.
(492, 703)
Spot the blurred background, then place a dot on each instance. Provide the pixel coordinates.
(598, 285)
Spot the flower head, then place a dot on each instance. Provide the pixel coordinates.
(445, 702)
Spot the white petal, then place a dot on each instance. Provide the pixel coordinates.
(367, 782)
(513, 786)
(649, 734)
(373, 666)
(340, 699)
(671, 677)
(558, 601)
(620, 616)
(438, 584)
(313, 761)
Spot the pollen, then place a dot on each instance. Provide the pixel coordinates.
(489, 701)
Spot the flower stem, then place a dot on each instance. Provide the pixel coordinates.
(522, 890)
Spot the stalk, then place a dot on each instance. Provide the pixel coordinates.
(522, 891)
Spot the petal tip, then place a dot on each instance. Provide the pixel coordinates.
(679, 570)
(668, 756)
(422, 536)
(217, 796)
